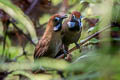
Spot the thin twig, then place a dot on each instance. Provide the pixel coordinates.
(31, 7)
(81, 57)
(24, 34)
(84, 41)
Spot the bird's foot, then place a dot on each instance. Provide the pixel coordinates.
(65, 53)
(77, 45)
(68, 58)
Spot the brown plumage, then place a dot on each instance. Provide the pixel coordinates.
(71, 30)
(50, 43)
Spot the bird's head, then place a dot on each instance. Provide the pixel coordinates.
(56, 21)
(76, 14)
(75, 24)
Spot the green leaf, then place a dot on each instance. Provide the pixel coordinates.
(52, 63)
(23, 73)
(17, 14)
(115, 29)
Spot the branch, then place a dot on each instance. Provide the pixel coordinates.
(84, 41)
(31, 7)
(23, 33)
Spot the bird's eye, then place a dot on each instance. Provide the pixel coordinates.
(56, 19)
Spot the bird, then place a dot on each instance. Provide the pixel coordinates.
(71, 30)
(50, 43)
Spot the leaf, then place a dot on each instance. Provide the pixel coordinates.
(52, 63)
(115, 29)
(23, 73)
(115, 13)
(42, 62)
(17, 14)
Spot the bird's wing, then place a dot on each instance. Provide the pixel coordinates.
(65, 26)
(41, 48)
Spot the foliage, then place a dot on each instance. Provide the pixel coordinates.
(17, 14)
(97, 59)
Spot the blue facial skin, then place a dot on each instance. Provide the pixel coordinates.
(71, 24)
(56, 28)
(57, 18)
(58, 23)
(75, 24)
(80, 23)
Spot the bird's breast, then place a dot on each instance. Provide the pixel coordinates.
(71, 37)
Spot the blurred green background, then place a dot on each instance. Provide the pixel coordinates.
(97, 59)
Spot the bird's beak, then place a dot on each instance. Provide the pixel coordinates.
(63, 17)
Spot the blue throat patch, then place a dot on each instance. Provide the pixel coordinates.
(56, 28)
(71, 24)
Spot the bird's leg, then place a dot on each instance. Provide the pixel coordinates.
(67, 56)
(77, 45)
(65, 50)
